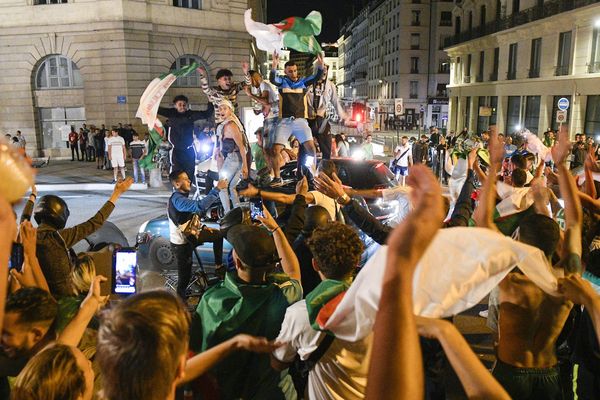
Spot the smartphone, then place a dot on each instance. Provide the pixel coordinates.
(124, 271)
(256, 209)
(17, 257)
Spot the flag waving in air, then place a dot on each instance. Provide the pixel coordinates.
(293, 32)
(149, 103)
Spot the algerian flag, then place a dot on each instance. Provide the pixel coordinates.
(293, 32)
(149, 103)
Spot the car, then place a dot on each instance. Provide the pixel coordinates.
(154, 249)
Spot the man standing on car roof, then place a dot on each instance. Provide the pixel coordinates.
(320, 96)
(293, 112)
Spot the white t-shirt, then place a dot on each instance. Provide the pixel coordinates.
(117, 144)
(341, 373)
(273, 98)
(326, 202)
(404, 153)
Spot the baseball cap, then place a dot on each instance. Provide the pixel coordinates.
(253, 245)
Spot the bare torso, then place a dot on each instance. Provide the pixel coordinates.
(530, 321)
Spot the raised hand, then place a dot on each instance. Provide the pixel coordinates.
(275, 62)
(245, 67)
(562, 147)
(576, 289)
(255, 344)
(302, 186)
(329, 187)
(202, 71)
(268, 221)
(123, 185)
(250, 191)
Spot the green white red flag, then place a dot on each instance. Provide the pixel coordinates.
(293, 32)
(148, 109)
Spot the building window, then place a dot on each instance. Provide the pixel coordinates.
(494, 106)
(555, 110)
(457, 26)
(468, 69)
(446, 18)
(40, 2)
(58, 72)
(57, 122)
(414, 65)
(468, 113)
(536, 56)
(416, 18)
(482, 122)
(592, 116)
(193, 79)
(481, 66)
(512, 62)
(595, 60)
(513, 115)
(564, 54)
(415, 41)
(494, 74)
(516, 5)
(470, 21)
(482, 12)
(196, 4)
(414, 89)
(532, 113)
(444, 67)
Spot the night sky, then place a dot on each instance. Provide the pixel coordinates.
(335, 13)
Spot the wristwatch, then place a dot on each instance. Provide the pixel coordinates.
(343, 199)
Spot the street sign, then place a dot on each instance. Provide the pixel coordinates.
(121, 99)
(561, 116)
(398, 107)
(485, 111)
(563, 104)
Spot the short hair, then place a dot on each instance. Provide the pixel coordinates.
(405, 137)
(140, 345)
(539, 231)
(135, 134)
(34, 306)
(369, 135)
(173, 176)
(290, 64)
(253, 71)
(83, 274)
(259, 131)
(519, 177)
(180, 97)
(519, 161)
(336, 248)
(223, 72)
(51, 374)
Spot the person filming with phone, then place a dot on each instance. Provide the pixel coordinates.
(181, 211)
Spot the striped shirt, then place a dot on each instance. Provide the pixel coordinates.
(215, 95)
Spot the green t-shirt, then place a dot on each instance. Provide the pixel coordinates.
(258, 156)
(233, 307)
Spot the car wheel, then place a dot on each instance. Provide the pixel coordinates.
(161, 254)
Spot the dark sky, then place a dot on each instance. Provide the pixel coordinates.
(335, 13)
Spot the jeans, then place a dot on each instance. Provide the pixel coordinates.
(74, 149)
(230, 170)
(136, 166)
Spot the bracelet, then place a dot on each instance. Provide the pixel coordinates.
(273, 231)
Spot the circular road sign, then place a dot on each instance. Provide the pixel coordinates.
(563, 104)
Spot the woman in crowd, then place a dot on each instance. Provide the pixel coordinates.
(343, 147)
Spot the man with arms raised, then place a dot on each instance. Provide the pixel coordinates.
(530, 320)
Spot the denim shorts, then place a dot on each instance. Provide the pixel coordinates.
(288, 127)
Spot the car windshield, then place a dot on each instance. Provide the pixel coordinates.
(362, 175)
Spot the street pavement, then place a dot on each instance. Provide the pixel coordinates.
(74, 181)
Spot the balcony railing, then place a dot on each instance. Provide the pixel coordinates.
(594, 67)
(511, 75)
(534, 73)
(561, 70)
(548, 9)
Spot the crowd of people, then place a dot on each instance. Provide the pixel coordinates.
(272, 328)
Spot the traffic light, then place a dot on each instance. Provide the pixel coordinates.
(358, 112)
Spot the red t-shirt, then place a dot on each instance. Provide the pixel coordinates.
(73, 137)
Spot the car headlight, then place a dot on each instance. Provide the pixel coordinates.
(358, 154)
(206, 147)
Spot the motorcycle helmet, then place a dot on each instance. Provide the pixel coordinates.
(51, 210)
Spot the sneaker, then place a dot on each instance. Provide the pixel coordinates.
(484, 313)
(114, 181)
(276, 182)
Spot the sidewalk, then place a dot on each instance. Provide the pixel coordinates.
(67, 175)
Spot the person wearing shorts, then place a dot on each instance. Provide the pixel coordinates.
(292, 113)
(402, 160)
(116, 153)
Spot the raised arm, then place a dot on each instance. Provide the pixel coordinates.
(484, 213)
(282, 198)
(568, 191)
(590, 163)
(210, 110)
(8, 224)
(208, 91)
(396, 370)
(579, 291)
(289, 261)
(73, 332)
(275, 80)
(309, 80)
(474, 377)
